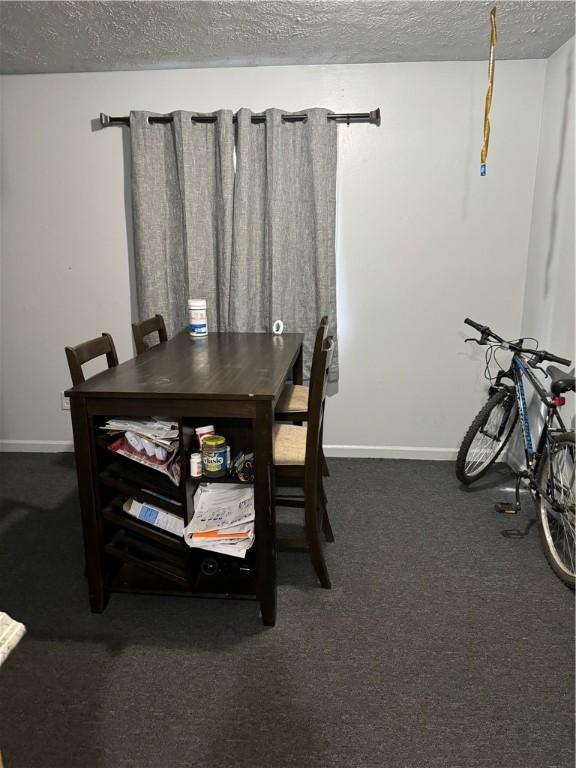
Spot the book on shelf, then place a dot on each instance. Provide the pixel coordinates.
(155, 516)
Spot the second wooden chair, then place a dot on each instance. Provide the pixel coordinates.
(292, 405)
(145, 328)
(297, 456)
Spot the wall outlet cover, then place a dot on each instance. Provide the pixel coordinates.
(64, 402)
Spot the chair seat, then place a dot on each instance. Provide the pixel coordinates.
(289, 444)
(294, 399)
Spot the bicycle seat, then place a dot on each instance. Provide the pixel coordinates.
(562, 381)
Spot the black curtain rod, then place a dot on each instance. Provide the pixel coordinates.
(348, 118)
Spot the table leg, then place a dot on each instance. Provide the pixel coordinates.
(265, 521)
(91, 521)
(298, 368)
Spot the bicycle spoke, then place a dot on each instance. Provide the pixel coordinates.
(558, 517)
(568, 528)
(486, 443)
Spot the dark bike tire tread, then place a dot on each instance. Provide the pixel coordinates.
(477, 424)
(561, 437)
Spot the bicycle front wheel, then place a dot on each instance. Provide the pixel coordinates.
(487, 436)
(555, 481)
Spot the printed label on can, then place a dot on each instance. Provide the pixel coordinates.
(214, 462)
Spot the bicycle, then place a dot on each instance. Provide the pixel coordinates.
(549, 463)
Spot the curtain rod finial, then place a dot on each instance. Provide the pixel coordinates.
(104, 120)
(375, 117)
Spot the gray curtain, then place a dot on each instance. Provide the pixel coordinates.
(284, 263)
(182, 206)
(256, 241)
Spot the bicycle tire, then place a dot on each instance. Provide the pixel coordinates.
(556, 527)
(463, 471)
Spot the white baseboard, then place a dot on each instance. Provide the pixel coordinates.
(36, 446)
(390, 452)
(345, 451)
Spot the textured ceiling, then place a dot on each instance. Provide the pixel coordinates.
(97, 36)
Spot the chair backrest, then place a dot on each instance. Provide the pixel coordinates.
(316, 397)
(88, 350)
(145, 328)
(321, 334)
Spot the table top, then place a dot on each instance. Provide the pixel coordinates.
(220, 366)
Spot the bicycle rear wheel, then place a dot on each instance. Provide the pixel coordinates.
(487, 436)
(556, 515)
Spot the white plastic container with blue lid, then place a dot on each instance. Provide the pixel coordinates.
(197, 317)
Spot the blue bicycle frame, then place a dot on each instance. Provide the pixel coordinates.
(517, 371)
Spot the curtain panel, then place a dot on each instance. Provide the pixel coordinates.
(182, 205)
(244, 218)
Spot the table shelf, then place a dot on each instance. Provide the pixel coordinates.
(131, 549)
(149, 559)
(113, 477)
(227, 479)
(132, 580)
(162, 554)
(137, 477)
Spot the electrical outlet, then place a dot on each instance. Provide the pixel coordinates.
(64, 402)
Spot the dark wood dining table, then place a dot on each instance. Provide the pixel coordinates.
(235, 376)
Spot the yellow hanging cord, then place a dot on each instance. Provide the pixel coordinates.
(488, 104)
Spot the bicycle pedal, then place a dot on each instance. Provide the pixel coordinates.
(507, 507)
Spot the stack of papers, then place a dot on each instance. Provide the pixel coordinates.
(158, 430)
(223, 519)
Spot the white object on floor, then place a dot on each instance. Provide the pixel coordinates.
(11, 632)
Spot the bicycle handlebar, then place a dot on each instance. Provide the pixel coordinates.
(541, 354)
(483, 329)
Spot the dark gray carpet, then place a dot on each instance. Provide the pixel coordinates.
(443, 643)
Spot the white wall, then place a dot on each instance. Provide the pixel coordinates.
(549, 305)
(549, 295)
(423, 241)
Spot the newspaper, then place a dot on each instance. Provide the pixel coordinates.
(223, 519)
(158, 430)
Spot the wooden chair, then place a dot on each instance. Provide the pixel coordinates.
(88, 350)
(293, 402)
(145, 328)
(297, 455)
